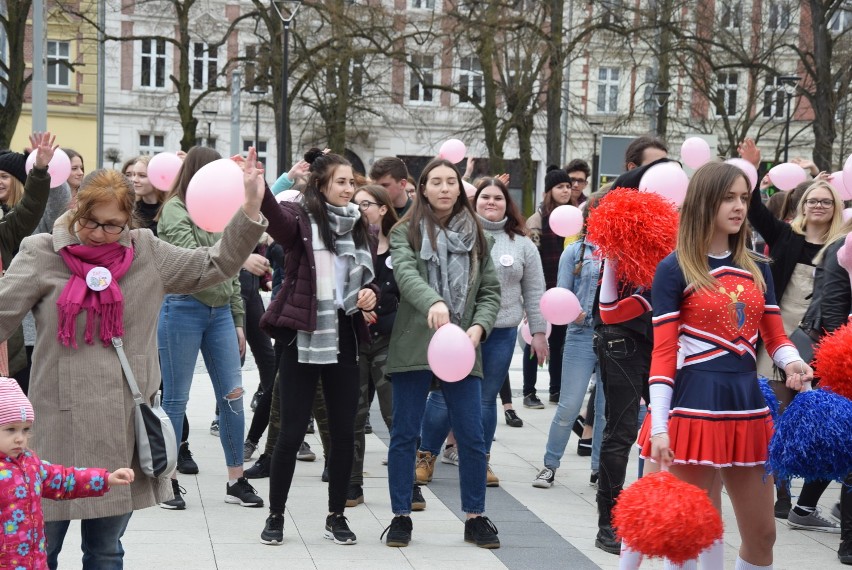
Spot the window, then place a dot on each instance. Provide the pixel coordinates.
(421, 77)
(779, 15)
(204, 69)
(58, 64)
(357, 74)
(153, 63)
(470, 80)
(726, 94)
(842, 19)
(260, 147)
(774, 98)
(608, 90)
(150, 143)
(612, 12)
(422, 4)
(732, 15)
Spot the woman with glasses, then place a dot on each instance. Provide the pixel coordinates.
(95, 278)
(792, 248)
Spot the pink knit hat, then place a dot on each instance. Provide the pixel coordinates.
(14, 406)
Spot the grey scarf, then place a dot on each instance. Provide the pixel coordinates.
(448, 264)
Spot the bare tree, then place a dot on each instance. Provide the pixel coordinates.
(14, 77)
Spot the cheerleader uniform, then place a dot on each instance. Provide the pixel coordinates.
(703, 377)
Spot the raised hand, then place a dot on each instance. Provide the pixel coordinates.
(254, 183)
(749, 151)
(299, 170)
(42, 145)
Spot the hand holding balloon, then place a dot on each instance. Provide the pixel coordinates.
(438, 316)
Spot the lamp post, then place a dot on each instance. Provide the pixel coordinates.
(286, 10)
(790, 83)
(258, 100)
(661, 98)
(594, 125)
(209, 116)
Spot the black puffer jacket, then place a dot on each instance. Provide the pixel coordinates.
(835, 299)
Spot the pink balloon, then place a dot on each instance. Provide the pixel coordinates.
(695, 152)
(59, 167)
(289, 196)
(560, 306)
(847, 172)
(666, 179)
(747, 167)
(451, 354)
(214, 194)
(787, 175)
(527, 335)
(566, 220)
(163, 168)
(453, 150)
(839, 184)
(469, 189)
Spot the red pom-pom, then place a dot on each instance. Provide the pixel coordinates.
(636, 229)
(661, 516)
(833, 361)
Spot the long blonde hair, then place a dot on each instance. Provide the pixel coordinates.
(845, 229)
(16, 192)
(706, 192)
(799, 224)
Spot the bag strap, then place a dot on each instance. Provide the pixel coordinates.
(128, 373)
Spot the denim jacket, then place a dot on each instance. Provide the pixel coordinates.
(583, 285)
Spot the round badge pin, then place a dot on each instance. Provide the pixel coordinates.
(389, 263)
(507, 260)
(98, 278)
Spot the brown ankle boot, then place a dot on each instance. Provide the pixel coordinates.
(491, 480)
(424, 468)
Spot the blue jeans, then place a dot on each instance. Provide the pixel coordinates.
(409, 402)
(186, 326)
(600, 423)
(496, 358)
(101, 542)
(579, 363)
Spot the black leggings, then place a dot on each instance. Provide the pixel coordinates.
(506, 391)
(297, 386)
(261, 348)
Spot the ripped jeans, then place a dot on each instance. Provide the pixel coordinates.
(186, 326)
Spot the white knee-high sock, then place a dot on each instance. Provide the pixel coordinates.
(629, 559)
(688, 565)
(743, 565)
(713, 558)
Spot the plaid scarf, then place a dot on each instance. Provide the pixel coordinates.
(448, 263)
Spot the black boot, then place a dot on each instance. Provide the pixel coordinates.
(606, 539)
(844, 553)
(783, 503)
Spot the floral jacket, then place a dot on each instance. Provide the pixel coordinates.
(24, 480)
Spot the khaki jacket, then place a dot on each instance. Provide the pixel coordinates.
(83, 407)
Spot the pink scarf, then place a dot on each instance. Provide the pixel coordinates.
(107, 304)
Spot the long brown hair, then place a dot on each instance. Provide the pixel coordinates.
(421, 210)
(382, 198)
(706, 192)
(515, 224)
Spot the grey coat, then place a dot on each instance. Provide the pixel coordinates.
(83, 407)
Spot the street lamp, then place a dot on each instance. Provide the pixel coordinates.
(790, 84)
(661, 98)
(594, 125)
(259, 94)
(209, 116)
(286, 10)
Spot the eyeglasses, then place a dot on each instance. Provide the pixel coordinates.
(578, 181)
(813, 203)
(365, 205)
(107, 228)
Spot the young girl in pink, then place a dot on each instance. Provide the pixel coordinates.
(25, 479)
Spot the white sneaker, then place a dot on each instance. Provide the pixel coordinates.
(813, 521)
(450, 455)
(545, 478)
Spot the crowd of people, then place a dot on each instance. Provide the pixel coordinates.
(363, 270)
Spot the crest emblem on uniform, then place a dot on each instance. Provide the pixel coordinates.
(736, 308)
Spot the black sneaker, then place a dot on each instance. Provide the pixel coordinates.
(273, 530)
(554, 398)
(368, 429)
(512, 419)
(481, 531)
(254, 399)
(305, 453)
(242, 493)
(185, 463)
(782, 507)
(337, 529)
(399, 531)
(584, 447)
(324, 475)
(533, 402)
(214, 428)
(249, 447)
(579, 426)
(844, 553)
(260, 469)
(418, 503)
(606, 541)
(545, 478)
(354, 496)
(176, 504)
(310, 425)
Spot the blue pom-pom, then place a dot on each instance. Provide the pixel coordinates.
(769, 396)
(811, 439)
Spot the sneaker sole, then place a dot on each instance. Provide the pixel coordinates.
(489, 545)
(397, 543)
(542, 484)
(187, 471)
(609, 549)
(418, 506)
(449, 462)
(830, 530)
(493, 484)
(306, 457)
(355, 502)
(271, 541)
(172, 507)
(231, 500)
(534, 406)
(330, 536)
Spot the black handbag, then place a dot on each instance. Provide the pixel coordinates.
(805, 342)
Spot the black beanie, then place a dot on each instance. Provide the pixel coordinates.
(15, 164)
(554, 177)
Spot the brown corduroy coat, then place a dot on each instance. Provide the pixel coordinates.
(83, 407)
